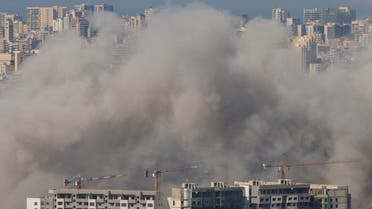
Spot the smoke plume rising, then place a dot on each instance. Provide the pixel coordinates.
(190, 91)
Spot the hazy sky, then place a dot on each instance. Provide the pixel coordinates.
(251, 7)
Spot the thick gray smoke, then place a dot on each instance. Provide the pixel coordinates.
(191, 91)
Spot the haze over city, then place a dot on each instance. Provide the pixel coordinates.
(252, 7)
(185, 105)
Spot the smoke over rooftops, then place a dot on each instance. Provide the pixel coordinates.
(191, 91)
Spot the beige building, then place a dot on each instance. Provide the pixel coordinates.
(8, 30)
(41, 18)
(60, 11)
(47, 15)
(11, 61)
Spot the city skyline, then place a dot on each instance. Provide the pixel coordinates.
(254, 8)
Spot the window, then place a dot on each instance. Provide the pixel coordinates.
(150, 205)
(59, 203)
(123, 204)
(174, 203)
(91, 204)
(289, 198)
(35, 203)
(274, 199)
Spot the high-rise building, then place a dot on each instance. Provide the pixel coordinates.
(280, 15)
(103, 8)
(2, 19)
(33, 18)
(301, 31)
(218, 195)
(66, 22)
(60, 11)
(315, 15)
(95, 199)
(346, 15)
(8, 30)
(81, 25)
(83, 10)
(18, 28)
(292, 24)
(341, 15)
(47, 15)
(58, 25)
(150, 11)
(312, 28)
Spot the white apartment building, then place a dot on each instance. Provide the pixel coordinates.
(287, 194)
(96, 199)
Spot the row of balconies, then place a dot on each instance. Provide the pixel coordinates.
(281, 199)
(97, 197)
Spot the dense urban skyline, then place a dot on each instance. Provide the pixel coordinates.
(253, 8)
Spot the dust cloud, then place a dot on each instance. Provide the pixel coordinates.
(189, 90)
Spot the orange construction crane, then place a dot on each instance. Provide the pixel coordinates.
(78, 180)
(283, 165)
(157, 172)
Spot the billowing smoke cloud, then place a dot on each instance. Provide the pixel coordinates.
(190, 90)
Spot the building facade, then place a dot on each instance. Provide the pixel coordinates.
(95, 199)
(283, 194)
(217, 196)
(287, 194)
(33, 18)
(331, 196)
(280, 15)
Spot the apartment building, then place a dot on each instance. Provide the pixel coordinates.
(331, 196)
(216, 196)
(283, 194)
(96, 199)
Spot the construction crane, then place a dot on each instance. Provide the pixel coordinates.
(78, 180)
(283, 165)
(157, 172)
